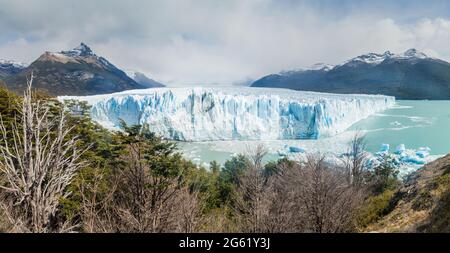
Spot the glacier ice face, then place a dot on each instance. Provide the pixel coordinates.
(232, 113)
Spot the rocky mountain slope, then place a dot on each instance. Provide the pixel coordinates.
(422, 204)
(76, 72)
(9, 68)
(410, 75)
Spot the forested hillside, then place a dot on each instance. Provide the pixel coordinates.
(61, 172)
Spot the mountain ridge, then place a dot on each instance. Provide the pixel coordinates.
(410, 75)
(74, 72)
(9, 68)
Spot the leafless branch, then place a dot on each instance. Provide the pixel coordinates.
(38, 164)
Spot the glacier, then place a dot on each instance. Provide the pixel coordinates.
(233, 113)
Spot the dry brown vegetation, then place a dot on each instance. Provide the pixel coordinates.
(310, 197)
(37, 166)
(422, 204)
(57, 176)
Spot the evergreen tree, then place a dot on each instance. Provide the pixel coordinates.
(228, 179)
(384, 176)
(8, 109)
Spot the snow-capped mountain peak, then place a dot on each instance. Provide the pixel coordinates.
(414, 53)
(321, 66)
(371, 58)
(14, 64)
(375, 59)
(316, 67)
(409, 74)
(80, 54)
(81, 50)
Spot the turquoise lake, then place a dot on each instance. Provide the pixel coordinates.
(413, 123)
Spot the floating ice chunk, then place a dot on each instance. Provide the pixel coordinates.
(413, 159)
(427, 149)
(385, 148)
(396, 123)
(296, 150)
(282, 152)
(405, 160)
(400, 149)
(422, 153)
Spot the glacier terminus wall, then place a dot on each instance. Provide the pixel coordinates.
(234, 113)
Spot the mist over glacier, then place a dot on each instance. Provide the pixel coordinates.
(232, 113)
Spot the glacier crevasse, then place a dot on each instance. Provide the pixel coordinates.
(234, 113)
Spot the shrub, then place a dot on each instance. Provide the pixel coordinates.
(374, 208)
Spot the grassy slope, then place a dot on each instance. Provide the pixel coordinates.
(422, 204)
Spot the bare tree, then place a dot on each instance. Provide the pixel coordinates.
(148, 202)
(96, 202)
(250, 201)
(355, 160)
(309, 197)
(325, 203)
(219, 221)
(38, 164)
(264, 202)
(189, 217)
(279, 202)
(256, 156)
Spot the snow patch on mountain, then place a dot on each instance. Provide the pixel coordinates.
(131, 73)
(81, 50)
(315, 67)
(206, 114)
(80, 54)
(375, 59)
(321, 66)
(142, 79)
(371, 58)
(12, 64)
(413, 53)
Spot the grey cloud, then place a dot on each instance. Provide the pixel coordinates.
(194, 42)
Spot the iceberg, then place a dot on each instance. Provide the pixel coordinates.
(296, 150)
(422, 153)
(385, 148)
(400, 149)
(413, 160)
(406, 160)
(234, 113)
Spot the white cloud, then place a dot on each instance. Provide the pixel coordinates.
(194, 42)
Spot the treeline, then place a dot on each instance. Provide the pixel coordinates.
(61, 172)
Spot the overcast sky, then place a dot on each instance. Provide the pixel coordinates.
(188, 42)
